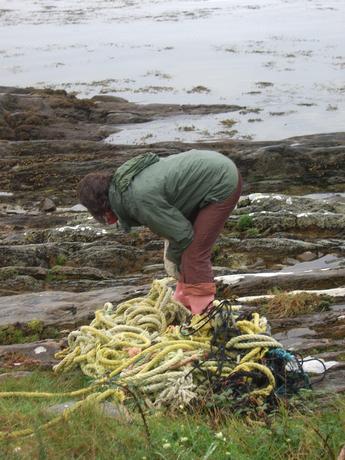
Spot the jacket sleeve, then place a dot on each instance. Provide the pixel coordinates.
(167, 221)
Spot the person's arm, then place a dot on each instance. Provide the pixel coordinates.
(167, 221)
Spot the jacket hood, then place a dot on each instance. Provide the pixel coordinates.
(126, 173)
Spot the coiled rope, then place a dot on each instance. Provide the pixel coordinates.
(140, 345)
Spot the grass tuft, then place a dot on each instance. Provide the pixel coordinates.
(287, 305)
(245, 222)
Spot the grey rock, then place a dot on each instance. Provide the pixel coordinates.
(290, 261)
(108, 98)
(10, 272)
(41, 352)
(118, 259)
(328, 225)
(273, 202)
(78, 208)
(112, 410)
(331, 222)
(331, 355)
(260, 283)
(47, 205)
(32, 255)
(153, 268)
(219, 271)
(20, 283)
(278, 212)
(259, 263)
(279, 246)
(74, 233)
(14, 375)
(323, 322)
(333, 381)
(277, 267)
(60, 309)
(121, 118)
(154, 245)
(78, 273)
(307, 256)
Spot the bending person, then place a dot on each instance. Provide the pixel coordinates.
(185, 198)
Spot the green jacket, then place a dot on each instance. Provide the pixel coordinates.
(164, 193)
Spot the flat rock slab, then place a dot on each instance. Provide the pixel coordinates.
(334, 381)
(40, 353)
(281, 245)
(336, 293)
(319, 320)
(59, 308)
(260, 283)
(116, 411)
(14, 375)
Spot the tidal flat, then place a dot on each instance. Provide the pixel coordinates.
(284, 59)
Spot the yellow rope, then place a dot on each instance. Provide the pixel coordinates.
(259, 367)
(93, 398)
(136, 344)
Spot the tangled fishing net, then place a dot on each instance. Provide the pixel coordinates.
(151, 346)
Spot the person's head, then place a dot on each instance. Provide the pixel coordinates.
(93, 194)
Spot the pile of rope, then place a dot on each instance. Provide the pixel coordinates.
(153, 346)
(139, 345)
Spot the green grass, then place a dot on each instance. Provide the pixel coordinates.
(88, 434)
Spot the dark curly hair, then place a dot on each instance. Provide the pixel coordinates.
(93, 194)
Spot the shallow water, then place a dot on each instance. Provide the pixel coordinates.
(285, 57)
(329, 261)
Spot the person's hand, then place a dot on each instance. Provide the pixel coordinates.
(110, 218)
(170, 267)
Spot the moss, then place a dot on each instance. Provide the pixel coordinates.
(50, 332)
(7, 273)
(216, 250)
(61, 259)
(245, 222)
(252, 232)
(54, 275)
(32, 331)
(10, 334)
(341, 357)
(35, 326)
(223, 257)
(324, 349)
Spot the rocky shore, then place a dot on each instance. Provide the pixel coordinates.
(57, 265)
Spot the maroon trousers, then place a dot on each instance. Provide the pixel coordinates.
(196, 264)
